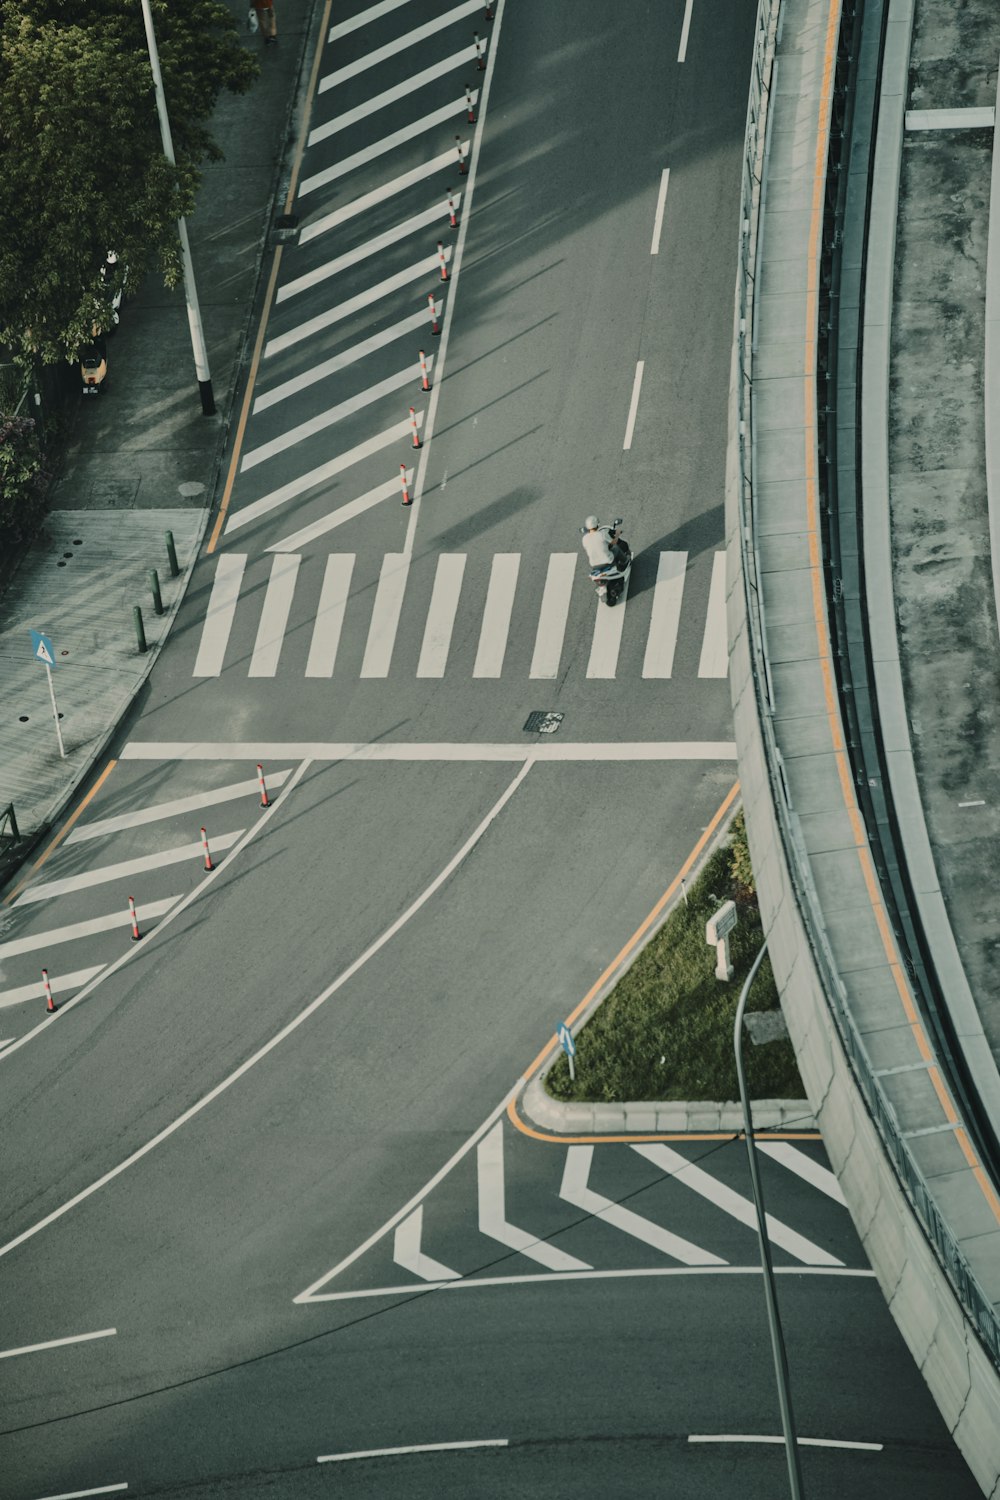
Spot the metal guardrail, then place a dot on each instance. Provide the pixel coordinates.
(753, 205)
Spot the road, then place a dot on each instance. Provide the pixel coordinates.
(307, 1037)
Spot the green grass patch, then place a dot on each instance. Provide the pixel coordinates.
(666, 1030)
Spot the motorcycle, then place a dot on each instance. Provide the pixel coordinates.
(94, 367)
(611, 579)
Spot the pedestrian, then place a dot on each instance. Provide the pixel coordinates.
(264, 10)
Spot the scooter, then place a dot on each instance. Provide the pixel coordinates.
(612, 579)
(94, 366)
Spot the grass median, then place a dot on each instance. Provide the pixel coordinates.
(665, 1031)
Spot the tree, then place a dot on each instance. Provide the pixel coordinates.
(22, 478)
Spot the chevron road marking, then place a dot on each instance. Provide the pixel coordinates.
(805, 1167)
(410, 376)
(574, 1190)
(438, 214)
(607, 638)
(340, 361)
(420, 269)
(493, 1221)
(406, 1251)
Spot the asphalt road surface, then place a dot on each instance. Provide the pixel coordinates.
(263, 1204)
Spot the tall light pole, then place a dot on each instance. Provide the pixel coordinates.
(190, 290)
(770, 1295)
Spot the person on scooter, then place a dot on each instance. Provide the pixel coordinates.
(602, 544)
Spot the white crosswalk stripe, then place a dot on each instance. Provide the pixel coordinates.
(385, 615)
(663, 626)
(496, 615)
(274, 615)
(398, 44)
(715, 651)
(609, 623)
(420, 269)
(553, 614)
(404, 90)
(385, 144)
(441, 615)
(330, 615)
(384, 194)
(220, 614)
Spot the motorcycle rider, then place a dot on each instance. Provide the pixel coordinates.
(603, 544)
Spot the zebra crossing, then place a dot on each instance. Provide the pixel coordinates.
(449, 595)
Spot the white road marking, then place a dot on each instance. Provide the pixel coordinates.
(685, 29)
(330, 614)
(231, 793)
(661, 203)
(403, 90)
(37, 941)
(388, 191)
(335, 1458)
(406, 1251)
(553, 614)
(804, 1166)
(496, 614)
(574, 1190)
(978, 802)
(385, 144)
(73, 1338)
(300, 539)
(972, 118)
(747, 1437)
(104, 874)
(633, 405)
(420, 269)
(383, 750)
(342, 361)
(274, 615)
(609, 622)
(104, 1489)
(385, 615)
(665, 615)
(398, 44)
(714, 660)
(441, 615)
(61, 985)
(363, 18)
(410, 376)
(436, 214)
(734, 1204)
(493, 1221)
(477, 1283)
(219, 614)
(321, 474)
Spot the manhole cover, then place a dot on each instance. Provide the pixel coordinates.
(542, 721)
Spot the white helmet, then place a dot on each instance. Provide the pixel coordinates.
(591, 523)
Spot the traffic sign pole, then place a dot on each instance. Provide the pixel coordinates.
(55, 711)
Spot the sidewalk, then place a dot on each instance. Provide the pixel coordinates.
(142, 460)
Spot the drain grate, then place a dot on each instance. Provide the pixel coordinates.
(542, 721)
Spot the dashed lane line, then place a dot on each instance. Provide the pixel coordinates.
(336, 1458)
(661, 203)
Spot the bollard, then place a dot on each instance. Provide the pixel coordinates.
(140, 634)
(462, 168)
(264, 799)
(402, 481)
(413, 427)
(469, 107)
(168, 537)
(490, 10)
(480, 62)
(452, 215)
(154, 585)
(442, 261)
(50, 1004)
(425, 384)
(136, 934)
(434, 313)
(204, 845)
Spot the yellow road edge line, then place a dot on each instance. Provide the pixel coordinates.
(66, 828)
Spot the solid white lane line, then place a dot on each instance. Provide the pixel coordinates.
(341, 361)
(665, 616)
(300, 539)
(574, 1190)
(661, 203)
(685, 29)
(607, 638)
(385, 144)
(398, 44)
(320, 475)
(477, 1283)
(748, 1437)
(220, 614)
(406, 1251)
(804, 1166)
(975, 117)
(330, 614)
(274, 615)
(448, 750)
(363, 18)
(56, 935)
(734, 1204)
(73, 1338)
(436, 214)
(410, 376)
(420, 269)
(378, 102)
(104, 874)
(104, 1489)
(496, 615)
(231, 793)
(493, 1221)
(553, 615)
(383, 194)
(633, 405)
(714, 660)
(344, 977)
(61, 985)
(385, 615)
(334, 1458)
(441, 615)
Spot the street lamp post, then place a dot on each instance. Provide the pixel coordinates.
(190, 290)
(770, 1295)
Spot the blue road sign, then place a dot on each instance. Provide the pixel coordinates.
(566, 1041)
(42, 649)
